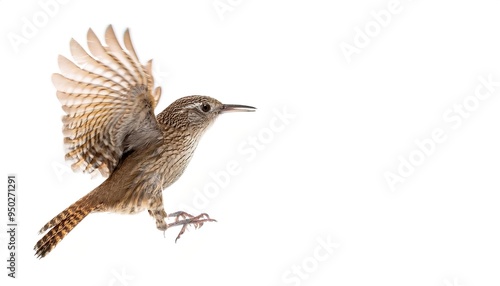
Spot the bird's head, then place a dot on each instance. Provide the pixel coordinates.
(197, 112)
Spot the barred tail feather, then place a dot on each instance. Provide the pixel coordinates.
(60, 226)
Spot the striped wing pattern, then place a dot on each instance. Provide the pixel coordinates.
(109, 99)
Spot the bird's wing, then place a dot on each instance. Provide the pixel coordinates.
(109, 99)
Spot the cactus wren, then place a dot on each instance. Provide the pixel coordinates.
(109, 127)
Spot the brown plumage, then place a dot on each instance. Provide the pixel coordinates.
(109, 127)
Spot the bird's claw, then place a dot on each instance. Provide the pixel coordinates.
(187, 219)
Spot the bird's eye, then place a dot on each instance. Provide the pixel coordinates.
(205, 107)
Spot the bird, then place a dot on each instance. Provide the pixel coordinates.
(110, 128)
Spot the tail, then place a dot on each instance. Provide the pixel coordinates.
(60, 226)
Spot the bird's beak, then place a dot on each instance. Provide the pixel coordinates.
(236, 108)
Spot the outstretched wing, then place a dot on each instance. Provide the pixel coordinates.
(109, 99)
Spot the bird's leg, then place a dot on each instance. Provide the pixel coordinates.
(156, 210)
(187, 219)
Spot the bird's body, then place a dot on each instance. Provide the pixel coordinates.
(110, 127)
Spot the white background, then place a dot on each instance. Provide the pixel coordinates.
(320, 176)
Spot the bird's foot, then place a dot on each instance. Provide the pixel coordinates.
(185, 219)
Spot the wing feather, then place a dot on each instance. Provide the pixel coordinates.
(109, 98)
